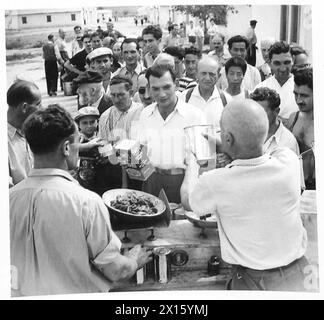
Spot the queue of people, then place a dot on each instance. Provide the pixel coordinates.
(266, 134)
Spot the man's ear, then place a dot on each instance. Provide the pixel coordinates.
(131, 92)
(229, 139)
(65, 147)
(24, 107)
(277, 110)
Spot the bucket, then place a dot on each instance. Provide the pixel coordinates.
(68, 88)
(198, 144)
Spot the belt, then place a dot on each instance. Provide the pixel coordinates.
(169, 172)
(269, 270)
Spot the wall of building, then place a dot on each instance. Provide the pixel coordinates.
(40, 20)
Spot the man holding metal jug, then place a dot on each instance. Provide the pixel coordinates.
(163, 124)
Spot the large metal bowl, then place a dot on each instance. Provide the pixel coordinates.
(194, 219)
(121, 220)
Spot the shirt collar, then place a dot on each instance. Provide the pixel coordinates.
(214, 95)
(131, 108)
(277, 135)
(249, 162)
(180, 107)
(137, 70)
(12, 131)
(291, 78)
(51, 172)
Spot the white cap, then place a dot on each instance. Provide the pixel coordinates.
(86, 111)
(104, 51)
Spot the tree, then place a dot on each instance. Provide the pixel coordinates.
(219, 12)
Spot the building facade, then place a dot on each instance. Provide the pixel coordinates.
(42, 18)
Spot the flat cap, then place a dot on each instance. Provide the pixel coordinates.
(86, 111)
(99, 52)
(89, 76)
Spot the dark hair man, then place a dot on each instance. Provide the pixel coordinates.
(96, 40)
(132, 68)
(50, 64)
(235, 69)
(178, 54)
(61, 238)
(173, 39)
(251, 36)
(162, 125)
(191, 58)
(237, 47)
(152, 36)
(282, 79)
(77, 64)
(301, 123)
(23, 98)
(278, 134)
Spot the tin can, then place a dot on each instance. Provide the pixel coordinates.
(162, 264)
(141, 275)
(213, 266)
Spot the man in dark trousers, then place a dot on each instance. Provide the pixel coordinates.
(51, 70)
(251, 52)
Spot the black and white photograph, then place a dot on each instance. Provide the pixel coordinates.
(161, 148)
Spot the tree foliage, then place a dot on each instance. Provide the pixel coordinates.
(204, 12)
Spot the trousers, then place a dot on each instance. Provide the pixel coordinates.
(287, 278)
(170, 183)
(51, 74)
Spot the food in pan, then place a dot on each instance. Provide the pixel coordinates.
(134, 204)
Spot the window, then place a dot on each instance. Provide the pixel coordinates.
(73, 16)
(24, 20)
(49, 18)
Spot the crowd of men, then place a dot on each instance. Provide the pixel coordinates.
(61, 238)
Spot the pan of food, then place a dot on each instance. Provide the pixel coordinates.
(133, 209)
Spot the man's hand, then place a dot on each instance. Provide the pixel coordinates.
(141, 255)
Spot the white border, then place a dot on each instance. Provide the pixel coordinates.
(318, 49)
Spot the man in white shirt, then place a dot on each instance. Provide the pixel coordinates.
(61, 239)
(212, 30)
(23, 98)
(152, 36)
(162, 131)
(278, 134)
(237, 47)
(256, 199)
(282, 80)
(191, 33)
(205, 95)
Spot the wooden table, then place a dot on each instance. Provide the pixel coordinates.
(182, 235)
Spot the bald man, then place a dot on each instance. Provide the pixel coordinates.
(256, 201)
(205, 95)
(264, 69)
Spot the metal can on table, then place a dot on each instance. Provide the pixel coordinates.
(162, 264)
(213, 266)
